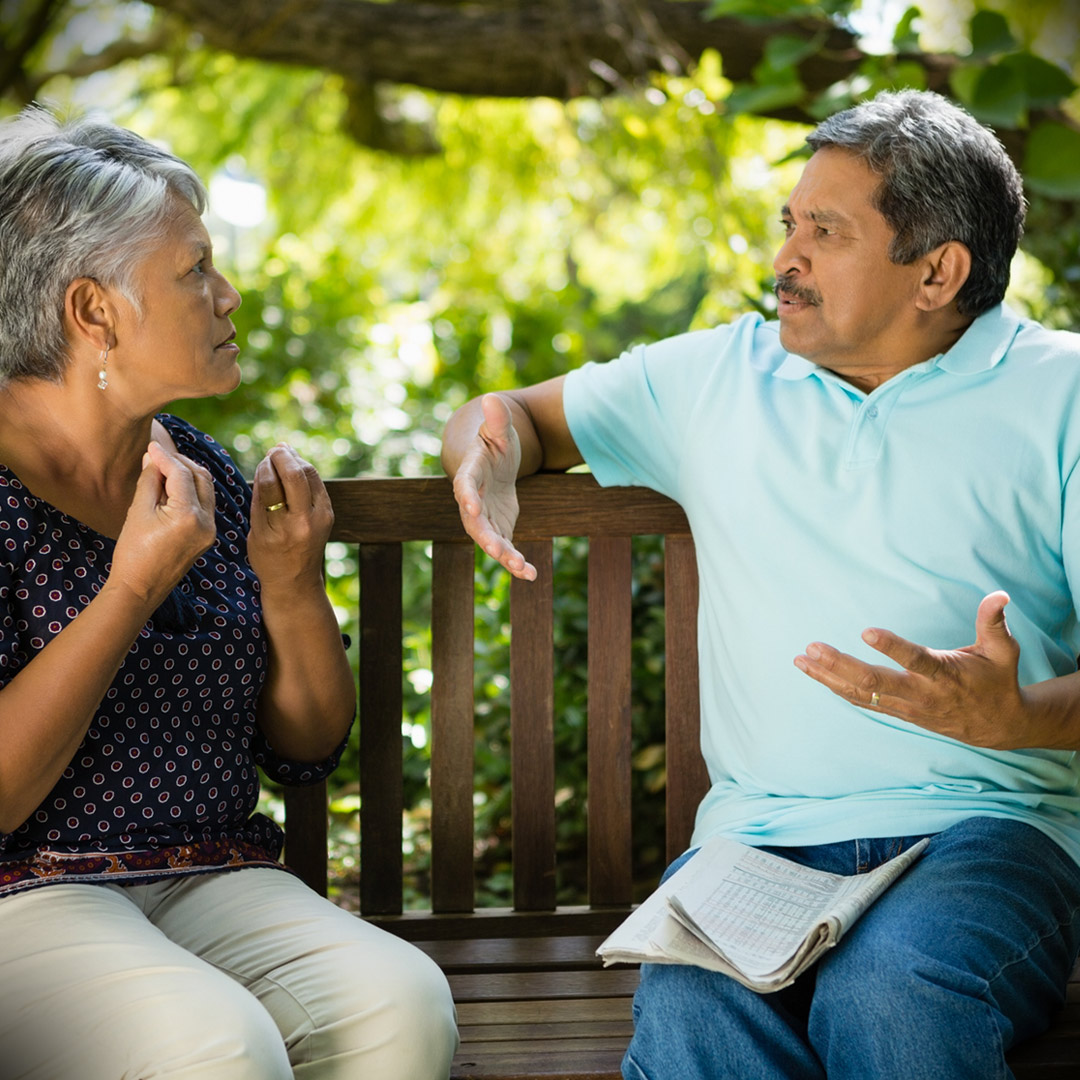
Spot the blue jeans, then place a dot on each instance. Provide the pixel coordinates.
(967, 954)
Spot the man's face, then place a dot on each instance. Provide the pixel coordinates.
(842, 303)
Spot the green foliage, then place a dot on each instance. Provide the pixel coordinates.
(1051, 162)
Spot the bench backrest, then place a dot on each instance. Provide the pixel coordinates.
(379, 515)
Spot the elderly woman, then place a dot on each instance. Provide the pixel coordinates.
(163, 630)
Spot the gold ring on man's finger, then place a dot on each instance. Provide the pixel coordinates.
(874, 699)
(276, 506)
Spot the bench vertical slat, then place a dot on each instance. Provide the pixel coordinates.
(381, 776)
(452, 763)
(305, 838)
(687, 780)
(610, 873)
(532, 732)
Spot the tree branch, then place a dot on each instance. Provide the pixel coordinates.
(491, 49)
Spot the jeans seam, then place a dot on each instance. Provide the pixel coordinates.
(1030, 948)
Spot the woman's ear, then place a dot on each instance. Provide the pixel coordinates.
(947, 267)
(89, 314)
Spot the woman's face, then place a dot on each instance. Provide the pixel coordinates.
(182, 345)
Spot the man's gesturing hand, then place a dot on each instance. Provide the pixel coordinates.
(485, 487)
(970, 694)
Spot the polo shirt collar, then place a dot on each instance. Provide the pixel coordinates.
(984, 343)
(982, 346)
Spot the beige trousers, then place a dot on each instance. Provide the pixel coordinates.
(246, 975)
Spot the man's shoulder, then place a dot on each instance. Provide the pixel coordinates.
(1034, 341)
(749, 339)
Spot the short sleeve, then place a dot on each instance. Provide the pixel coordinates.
(629, 417)
(294, 773)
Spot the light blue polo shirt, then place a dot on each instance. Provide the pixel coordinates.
(818, 510)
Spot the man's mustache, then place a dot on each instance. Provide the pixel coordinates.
(794, 291)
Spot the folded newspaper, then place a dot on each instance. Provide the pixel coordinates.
(752, 915)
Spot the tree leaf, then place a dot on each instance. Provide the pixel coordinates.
(990, 34)
(905, 36)
(999, 98)
(785, 51)
(962, 81)
(760, 9)
(1052, 161)
(1044, 83)
(746, 97)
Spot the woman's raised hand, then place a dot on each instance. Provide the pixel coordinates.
(169, 524)
(291, 517)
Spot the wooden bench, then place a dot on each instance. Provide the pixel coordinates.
(533, 1000)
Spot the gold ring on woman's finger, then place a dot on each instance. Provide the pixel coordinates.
(874, 699)
(276, 506)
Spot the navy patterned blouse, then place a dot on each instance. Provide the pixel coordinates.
(165, 781)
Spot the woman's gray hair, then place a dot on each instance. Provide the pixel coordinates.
(78, 198)
(943, 177)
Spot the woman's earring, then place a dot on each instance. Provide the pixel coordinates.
(103, 378)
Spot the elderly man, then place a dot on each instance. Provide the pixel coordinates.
(897, 448)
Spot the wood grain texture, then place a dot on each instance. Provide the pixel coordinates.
(532, 732)
(381, 787)
(377, 510)
(609, 835)
(687, 779)
(452, 726)
(306, 838)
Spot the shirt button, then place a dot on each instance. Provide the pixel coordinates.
(872, 412)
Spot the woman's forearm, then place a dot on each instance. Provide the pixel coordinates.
(309, 698)
(46, 709)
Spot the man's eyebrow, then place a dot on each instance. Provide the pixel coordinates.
(820, 217)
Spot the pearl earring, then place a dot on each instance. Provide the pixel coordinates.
(103, 378)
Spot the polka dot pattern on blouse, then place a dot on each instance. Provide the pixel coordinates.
(165, 780)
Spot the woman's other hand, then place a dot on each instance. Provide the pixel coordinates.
(169, 524)
(308, 700)
(291, 519)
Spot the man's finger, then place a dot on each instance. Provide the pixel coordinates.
(917, 659)
(466, 491)
(493, 543)
(862, 684)
(992, 635)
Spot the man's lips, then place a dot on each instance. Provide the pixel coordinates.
(793, 299)
(793, 303)
(230, 340)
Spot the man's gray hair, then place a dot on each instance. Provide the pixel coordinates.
(943, 177)
(81, 198)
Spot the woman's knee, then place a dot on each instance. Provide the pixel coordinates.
(391, 1014)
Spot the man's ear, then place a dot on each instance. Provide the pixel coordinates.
(945, 269)
(89, 314)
